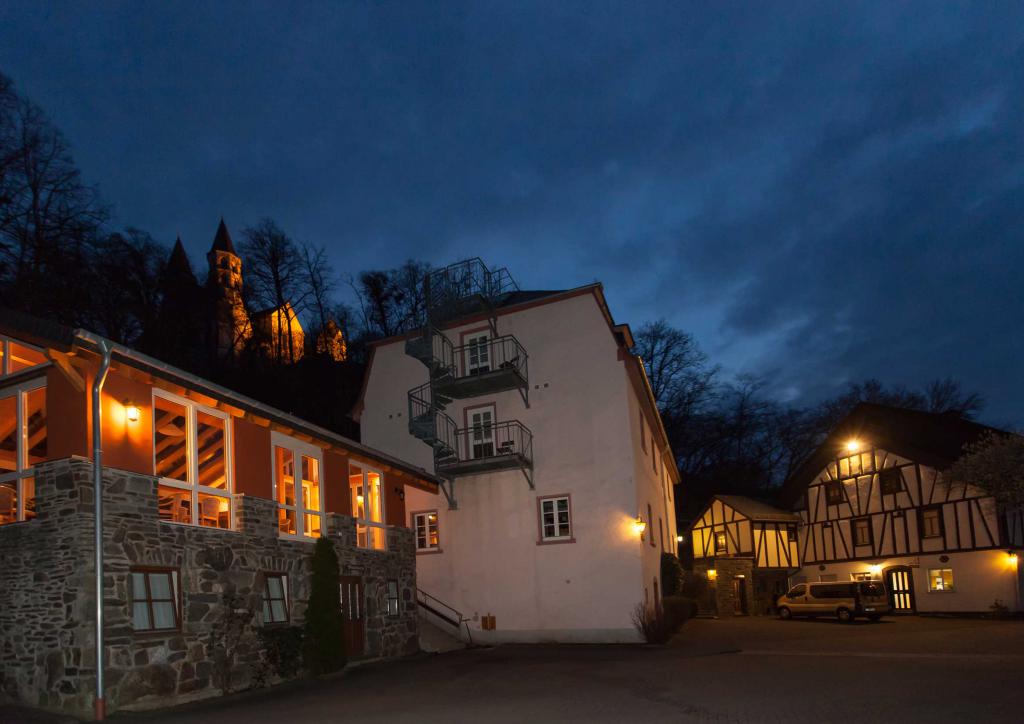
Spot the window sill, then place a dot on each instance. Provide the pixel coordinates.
(555, 541)
(296, 537)
(429, 551)
(155, 633)
(176, 524)
(945, 590)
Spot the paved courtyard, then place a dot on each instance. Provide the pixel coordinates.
(744, 670)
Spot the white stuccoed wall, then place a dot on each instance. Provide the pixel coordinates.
(584, 418)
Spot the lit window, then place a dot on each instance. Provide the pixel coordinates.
(155, 600)
(791, 533)
(555, 519)
(17, 357)
(862, 532)
(300, 506)
(931, 522)
(23, 438)
(940, 579)
(834, 492)
(190, 444)
(275, 598)
(721, 543)
(392, 598)
(367, 507)
(425, 525)
(862, 576)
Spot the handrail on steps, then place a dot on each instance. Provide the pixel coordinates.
(432, 604)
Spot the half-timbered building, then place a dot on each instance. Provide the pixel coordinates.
(747, 549)
(874, 504)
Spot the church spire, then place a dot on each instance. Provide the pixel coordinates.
(222, 241)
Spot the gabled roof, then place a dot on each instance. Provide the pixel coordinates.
(756, 509)
(222, 241)
(934, 439)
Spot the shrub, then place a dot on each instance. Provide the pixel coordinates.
(282, 648)
(679, 610)
(324, 649)
(671, 575)
(227, 638)
(652, 623)
(999, 609)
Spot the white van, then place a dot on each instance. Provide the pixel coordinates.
(846, 601)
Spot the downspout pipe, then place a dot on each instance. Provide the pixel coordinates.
(97, 476)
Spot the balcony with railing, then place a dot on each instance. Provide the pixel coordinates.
(464, 288)
(505, 445)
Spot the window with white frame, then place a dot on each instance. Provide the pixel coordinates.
(275, 598)
(367, 491)
(191, 460)
(481, 431)
(16, 356)
(425, 526)
(22, 446)
(555, 519)
(297, 486)
(478, 354)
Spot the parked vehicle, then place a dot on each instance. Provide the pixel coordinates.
(846, 601)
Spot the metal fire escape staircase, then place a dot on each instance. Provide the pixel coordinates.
(463, 290)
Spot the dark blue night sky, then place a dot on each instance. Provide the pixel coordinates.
(820, 192)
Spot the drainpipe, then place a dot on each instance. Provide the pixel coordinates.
(97, 476)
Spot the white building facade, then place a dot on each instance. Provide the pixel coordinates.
(544, 424)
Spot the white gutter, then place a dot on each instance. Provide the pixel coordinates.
(97, 343)
(97, 476)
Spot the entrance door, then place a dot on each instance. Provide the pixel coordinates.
(354, 615)
(901, 589)
(739, 596)
(481, 423)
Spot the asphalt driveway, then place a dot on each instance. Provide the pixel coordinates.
(742, 670)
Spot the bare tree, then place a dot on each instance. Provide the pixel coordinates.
(274, 274)
(947, 396)
(318, 281)
(677, 368)
(48, 216)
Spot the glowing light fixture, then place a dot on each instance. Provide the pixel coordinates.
(1011, 559)
(875, 569)
(853, 445)
(712, 574)
(132, 412)
(679, 539)
(639, 525)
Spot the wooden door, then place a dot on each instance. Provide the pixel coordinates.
(900, 583)
(354, 613)
(739, 596)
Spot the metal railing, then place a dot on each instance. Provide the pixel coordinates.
(447, 288)
(424, 411)
(497, 440)
(443, 611)
(498, 353)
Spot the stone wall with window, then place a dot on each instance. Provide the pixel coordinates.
(47, 587)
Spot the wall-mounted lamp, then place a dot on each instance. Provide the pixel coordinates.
(132, 412)
(712, 574)
(639, 525)
(852, 445)
(875, 570)
(1011, 559)
(679, 539)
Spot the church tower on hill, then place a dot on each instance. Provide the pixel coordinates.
(230, 320)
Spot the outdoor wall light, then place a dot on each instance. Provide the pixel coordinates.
(853, 445)
(712, 574)
(132, 412)
(679, 539)
(1011, 559)
(639, 526)
(874, 570)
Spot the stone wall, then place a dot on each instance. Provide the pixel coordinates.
(726, 570)
(46, 593)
